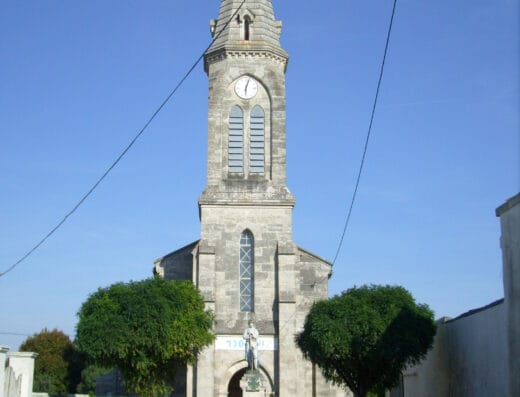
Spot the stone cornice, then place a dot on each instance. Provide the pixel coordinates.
(241, 52)
(250, 202)
(244, 198)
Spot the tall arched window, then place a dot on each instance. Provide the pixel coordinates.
(236, 140)
(247, 271)
(257, 141)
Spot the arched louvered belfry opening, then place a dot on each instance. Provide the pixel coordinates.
(257, 141)
(236, 140)
(247, 271)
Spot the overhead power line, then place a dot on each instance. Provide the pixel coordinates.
(125, 150)
(13, 334)
(365, 149)
(369, 133)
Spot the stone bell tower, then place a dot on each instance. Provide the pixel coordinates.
(246, 265)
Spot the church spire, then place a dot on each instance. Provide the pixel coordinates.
(253, 28)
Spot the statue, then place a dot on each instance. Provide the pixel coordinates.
(251, 338)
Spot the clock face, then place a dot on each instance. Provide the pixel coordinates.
(246, 87)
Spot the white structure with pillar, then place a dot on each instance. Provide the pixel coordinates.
(16, 373)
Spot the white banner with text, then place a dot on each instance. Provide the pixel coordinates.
(236, 342)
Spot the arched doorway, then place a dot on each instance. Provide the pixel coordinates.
(234, 389)
(230, 382)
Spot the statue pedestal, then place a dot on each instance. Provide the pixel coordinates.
(252, 384)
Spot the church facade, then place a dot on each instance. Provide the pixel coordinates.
(246, 264)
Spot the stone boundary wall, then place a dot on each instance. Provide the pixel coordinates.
(469, 357)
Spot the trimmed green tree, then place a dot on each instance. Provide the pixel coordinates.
(147, 329)
(58, 365)
(365, 337)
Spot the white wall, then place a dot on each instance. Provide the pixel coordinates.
(3, 358)
(16, 373)
(509, 214)
(23, 365)
(469, 358)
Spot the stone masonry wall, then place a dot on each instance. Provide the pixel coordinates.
(271, 96)
(222, 228)
(469, 358)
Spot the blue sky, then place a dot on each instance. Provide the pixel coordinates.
(78, 80)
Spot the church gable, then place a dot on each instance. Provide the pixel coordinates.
(177, 265)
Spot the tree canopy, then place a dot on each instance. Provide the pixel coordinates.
(147, 329)
(365, 337)
(57, 368)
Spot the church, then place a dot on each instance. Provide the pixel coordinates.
(246, 264)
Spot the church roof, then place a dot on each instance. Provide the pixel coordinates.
(265, 29)
(314, 256)
(191, 246)
(188, 247)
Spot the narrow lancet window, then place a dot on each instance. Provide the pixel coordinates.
(247, 254)
(257, 141)
(236, 140)
(247, 28)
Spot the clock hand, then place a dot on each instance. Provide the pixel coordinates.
(248, 80)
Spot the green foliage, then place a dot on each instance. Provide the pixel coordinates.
(58, 365)
(147, 329)
(377, 392)
(88, 379)
(366, 336)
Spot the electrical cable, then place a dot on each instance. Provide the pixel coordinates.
(127, 148)
(365, 150)
(13, 334)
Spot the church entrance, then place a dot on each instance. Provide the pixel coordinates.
(234, 389)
